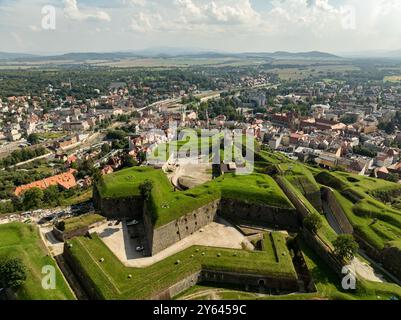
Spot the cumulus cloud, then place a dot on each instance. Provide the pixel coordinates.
(144, 22)
(195, 15)
(71, 11)
(140, 3)
(234, 12)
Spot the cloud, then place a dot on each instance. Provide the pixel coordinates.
(195, 16)
(71, 11)
(144, 22)
(230, 12)
(141, 3)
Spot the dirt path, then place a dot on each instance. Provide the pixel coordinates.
(365, 271)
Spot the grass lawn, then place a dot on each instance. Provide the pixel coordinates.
(167, 205)
(392, 79)
(52, 135)
(23, 241)
(302, 179)
(85, 196)
(79, 222)
(111, 277)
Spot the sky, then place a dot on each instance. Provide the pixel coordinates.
(221, 25)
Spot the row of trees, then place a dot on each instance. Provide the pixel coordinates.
(22, 155)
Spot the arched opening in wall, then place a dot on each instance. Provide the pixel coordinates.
(262, 284)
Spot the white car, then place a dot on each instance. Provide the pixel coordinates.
(132, 223)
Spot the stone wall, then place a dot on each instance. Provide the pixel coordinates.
(259, 213)
(250, 281)
(322, 250)
(64, 236)
(179, 287)
(118, 208)
(338, 212)
(391, 257)
(165, 236)
(246, 281)
(315, 199)
(85, 281)
(302, 209)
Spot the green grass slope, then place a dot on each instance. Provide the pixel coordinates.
(23, 241)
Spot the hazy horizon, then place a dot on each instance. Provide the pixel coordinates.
(334, 26)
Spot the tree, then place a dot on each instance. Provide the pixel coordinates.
(12, 272)
(51, 195)
(345, 247)
(115, 135)
(145, 189)
(129, 162)
(33, 138)
(33, 198)
(106, 149)
(393, 177)
(313, 222)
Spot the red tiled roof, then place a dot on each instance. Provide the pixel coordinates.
(65, 180)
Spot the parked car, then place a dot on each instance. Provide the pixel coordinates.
(132, 223)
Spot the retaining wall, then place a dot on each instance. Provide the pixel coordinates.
(250, 281)
(63, 236)
(165, 236)
(259, 213)
(391, 257)
(338, 212)
(323, 251)
(118, 208)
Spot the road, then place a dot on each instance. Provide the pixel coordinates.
(204, 96)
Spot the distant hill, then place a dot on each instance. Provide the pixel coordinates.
(311, 55)
(12, 56)
(168, 53)
(82, 56)
(381, 54)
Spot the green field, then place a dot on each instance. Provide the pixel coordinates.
(167, 205)
(23, 241)
(392, 79)
(301, 72)
(112, 279)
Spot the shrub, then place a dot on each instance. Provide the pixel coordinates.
(345, 247)
(313, 222)
(12, 273)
